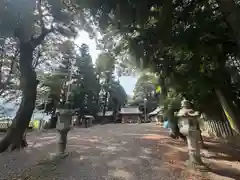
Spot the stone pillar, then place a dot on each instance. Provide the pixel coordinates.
(63, 127)
(62, 141)
(194, 147)
(85, 122)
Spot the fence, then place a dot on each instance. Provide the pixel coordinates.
(222, 130)
(219, 129)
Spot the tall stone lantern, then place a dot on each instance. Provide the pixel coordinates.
(63, 126)
(188, 125)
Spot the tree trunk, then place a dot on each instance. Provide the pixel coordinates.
(232, 16)
(15, 133)
(105, 103)
(229, 109)
(53, 120)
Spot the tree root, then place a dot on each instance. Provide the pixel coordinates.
(10, 142)
(23, 144)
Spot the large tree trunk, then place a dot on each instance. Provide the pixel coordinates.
(15, 134)
(232, 16)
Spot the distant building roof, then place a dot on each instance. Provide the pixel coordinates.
(107, 113)
(89, 116)
(130, 110)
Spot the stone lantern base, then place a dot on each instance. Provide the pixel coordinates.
(62, 141)
(193, 141)
(64, 125)
(61, 145)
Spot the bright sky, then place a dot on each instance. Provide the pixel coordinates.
(128, 82)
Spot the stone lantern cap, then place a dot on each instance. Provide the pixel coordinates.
(187, 113)
(186, 110)
(64, 119)
(64, 112)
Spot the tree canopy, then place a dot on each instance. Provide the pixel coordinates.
(145, 86)
(193, 47)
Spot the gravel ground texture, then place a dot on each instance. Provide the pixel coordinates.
(116, 152)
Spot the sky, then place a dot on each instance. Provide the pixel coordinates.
(128, 82)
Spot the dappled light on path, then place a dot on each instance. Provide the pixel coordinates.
(135, 152)
(154, 137)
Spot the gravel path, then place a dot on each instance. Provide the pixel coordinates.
(103, 152)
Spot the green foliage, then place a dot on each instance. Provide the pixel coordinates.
(144, 92)
(8, 62)
(173, 100)
(33, 23)
(145, 86)
(25, 22)
(15, 16)
(117, 95)
(105, 63)
(187, 42)
(86, 88)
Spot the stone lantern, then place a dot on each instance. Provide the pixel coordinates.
(63, 126)
(188, 125)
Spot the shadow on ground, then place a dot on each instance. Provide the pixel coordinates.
(223, 151)
(219, 158)
(118, 152)
(104, 152)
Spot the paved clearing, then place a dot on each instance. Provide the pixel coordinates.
(113, 151)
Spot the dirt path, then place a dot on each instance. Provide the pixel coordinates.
(121, 151)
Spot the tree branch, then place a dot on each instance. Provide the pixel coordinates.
(35, 41)
(38, 40)
(37, 62)
(188, 8)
